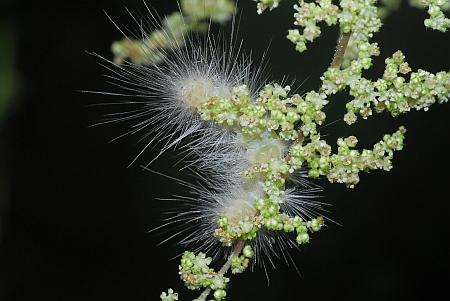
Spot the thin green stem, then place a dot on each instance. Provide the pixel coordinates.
(340, 50)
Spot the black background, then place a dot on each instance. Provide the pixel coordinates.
(74, 219)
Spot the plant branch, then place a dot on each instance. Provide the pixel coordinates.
(340, 50)
(236, 251)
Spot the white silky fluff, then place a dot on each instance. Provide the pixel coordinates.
(214, 155)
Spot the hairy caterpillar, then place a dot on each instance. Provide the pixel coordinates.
(171, 92)
(247, 141)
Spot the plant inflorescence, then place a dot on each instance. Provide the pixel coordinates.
(254, 143)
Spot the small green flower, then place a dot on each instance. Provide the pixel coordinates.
(169, 296)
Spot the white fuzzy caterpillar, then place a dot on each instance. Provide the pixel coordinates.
(172, 93)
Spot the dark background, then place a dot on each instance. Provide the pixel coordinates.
(74, 219)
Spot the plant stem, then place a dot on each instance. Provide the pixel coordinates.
(340, 50)
(236, 251)
(204, 294)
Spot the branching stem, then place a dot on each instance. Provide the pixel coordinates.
(340, 50)
(236, 251)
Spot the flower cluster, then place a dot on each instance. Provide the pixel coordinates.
(262, 5)
(359, 17)
(272, 112)
(266, 124)
(307, 16)
(240, 263)
(194, 17)
(437, 19)
(392, 93)
(169, 296)
(251, 144)
(347, 163)
(279, 135)
(196, 273)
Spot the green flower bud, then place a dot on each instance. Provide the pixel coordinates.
(220, 294)
(248, 251)
(302, 238)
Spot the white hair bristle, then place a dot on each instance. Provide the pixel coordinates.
(170, 93)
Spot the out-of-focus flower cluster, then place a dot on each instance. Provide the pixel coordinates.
(194, 16)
